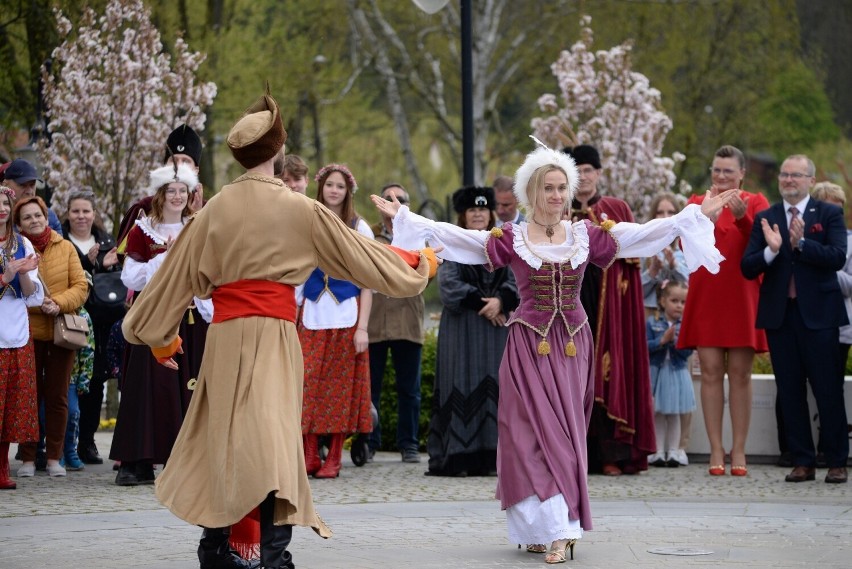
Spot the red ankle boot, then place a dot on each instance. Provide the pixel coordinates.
(331, 468)
(312, 457)
(6, 483)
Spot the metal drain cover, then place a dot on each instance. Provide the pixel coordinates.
(683, 551)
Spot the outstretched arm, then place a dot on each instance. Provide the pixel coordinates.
(466, 246)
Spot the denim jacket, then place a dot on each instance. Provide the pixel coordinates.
(656, 327)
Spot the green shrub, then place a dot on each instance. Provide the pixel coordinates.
(762, 364)
(387, 410)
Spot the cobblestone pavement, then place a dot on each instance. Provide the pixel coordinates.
(388, 514)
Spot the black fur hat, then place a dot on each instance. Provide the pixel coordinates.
(584, 154)
(184, 140)
(473, 196)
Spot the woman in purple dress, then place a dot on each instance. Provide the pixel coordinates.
(546, 374)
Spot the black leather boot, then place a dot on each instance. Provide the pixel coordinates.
(273, 539)
(214, 552)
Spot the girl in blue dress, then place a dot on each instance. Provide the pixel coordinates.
(671, 383)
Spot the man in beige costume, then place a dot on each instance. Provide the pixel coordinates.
(241, 441)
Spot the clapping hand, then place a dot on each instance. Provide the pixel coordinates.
(797, 231)
(668, 335)
(738, 205)
(93, 253)
(771, 234)
(713, 204)
(196, 198)
(19, 266)
(111, 258)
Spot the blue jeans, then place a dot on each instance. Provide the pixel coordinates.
(72, 429)
(405, 356)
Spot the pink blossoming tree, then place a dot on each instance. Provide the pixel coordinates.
(112, 98)
(603, 102)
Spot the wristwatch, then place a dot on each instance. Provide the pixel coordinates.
(800, 244)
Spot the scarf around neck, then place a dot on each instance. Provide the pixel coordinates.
(39, 241)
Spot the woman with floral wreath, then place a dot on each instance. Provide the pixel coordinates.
(333, 331)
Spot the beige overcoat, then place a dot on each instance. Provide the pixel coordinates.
(241, 438)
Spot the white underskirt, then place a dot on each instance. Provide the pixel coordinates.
(532, 521)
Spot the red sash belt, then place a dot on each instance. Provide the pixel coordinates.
(244, 298)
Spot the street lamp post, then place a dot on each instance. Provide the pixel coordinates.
(431, 7)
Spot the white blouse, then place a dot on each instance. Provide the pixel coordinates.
(15, 330)
(467, 246)
(135, 274)
(326, 313)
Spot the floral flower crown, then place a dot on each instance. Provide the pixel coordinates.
(9, 193)
(326, 170)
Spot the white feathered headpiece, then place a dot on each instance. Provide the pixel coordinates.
(168, 174)
(543, 156)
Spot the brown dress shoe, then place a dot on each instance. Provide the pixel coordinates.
(801, 474)
(837, 475)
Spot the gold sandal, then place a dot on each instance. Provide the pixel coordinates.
(558, 554)
(536, 548)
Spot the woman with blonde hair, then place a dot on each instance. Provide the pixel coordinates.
(546, 375)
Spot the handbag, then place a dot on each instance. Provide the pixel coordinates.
(70, 331)
(108, 292)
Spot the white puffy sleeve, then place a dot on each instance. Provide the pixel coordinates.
(466, 246)
(693, 227)
(135, 274)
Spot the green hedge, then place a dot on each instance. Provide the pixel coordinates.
(762, 364)
(387, 411)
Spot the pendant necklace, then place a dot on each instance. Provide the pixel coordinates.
(548, 228)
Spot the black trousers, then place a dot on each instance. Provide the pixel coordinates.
(801, 356)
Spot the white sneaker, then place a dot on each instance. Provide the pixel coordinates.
(657, 459)
(55, 470)
(679, 455)
(27, 470)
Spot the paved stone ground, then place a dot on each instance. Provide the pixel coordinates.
(388, 514)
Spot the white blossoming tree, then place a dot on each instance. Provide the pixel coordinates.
(112, 97)
(603, 102)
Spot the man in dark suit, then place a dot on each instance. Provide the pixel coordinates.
(798, 245)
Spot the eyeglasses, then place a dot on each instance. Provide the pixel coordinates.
(588, 170)
(722, 171)
(793, 175)
(172, 192)
(400, 199)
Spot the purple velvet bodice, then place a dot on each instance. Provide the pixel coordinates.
(551, 292)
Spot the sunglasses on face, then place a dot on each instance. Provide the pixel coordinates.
(401, 200)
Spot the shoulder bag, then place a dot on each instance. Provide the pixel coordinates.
(70, 331)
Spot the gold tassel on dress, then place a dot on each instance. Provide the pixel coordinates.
(190, 319)
(570, 349)
(543, 348)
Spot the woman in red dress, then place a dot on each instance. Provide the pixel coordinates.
(723, 333)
